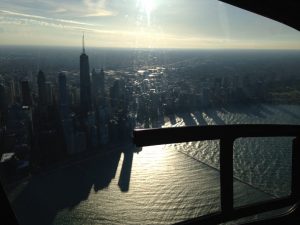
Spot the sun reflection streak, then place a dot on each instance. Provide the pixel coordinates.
(146, 6)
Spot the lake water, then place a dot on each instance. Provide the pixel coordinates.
(167, 183)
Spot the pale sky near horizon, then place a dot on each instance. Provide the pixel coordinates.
(140, 23)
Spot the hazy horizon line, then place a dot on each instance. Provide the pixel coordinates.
(145, 48)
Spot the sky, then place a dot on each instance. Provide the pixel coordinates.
(200, 24)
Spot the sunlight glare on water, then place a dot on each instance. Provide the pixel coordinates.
(158, 155)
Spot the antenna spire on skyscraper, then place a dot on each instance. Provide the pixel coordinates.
(85, 83)
(83, 48)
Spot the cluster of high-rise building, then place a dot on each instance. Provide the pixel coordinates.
(61, 118)
(45, 118)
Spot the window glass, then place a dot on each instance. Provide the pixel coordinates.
(76, 77)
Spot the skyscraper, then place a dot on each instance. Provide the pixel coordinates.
(98, 86)
(102, 81)
(41, 81)
(85, 83)
(62, 88)
(26, 94)
(2, 98)
(49, 93)
(117, 95)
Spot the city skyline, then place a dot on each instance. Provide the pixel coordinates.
(141, 24)
(68, 125)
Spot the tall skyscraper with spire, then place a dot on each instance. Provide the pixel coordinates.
(85, 83)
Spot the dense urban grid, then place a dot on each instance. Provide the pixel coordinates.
(46, 119)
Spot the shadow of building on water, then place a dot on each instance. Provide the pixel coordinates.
(125, 175)
(249, 110)
(187, 119)
(46, 195)
(198, 115)
(172, 119)
(214, 116)
(287, 111)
